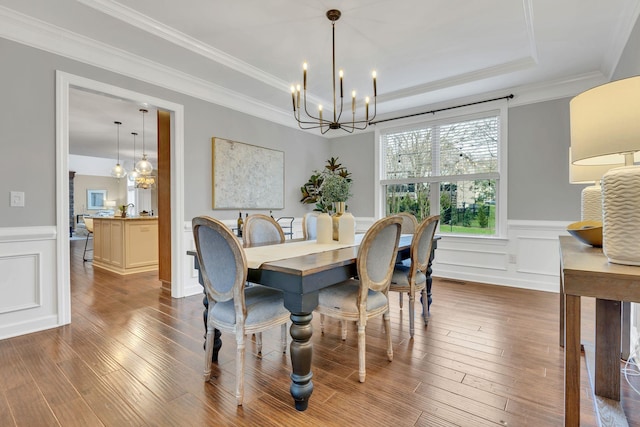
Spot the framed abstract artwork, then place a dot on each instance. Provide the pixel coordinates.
(246, 176)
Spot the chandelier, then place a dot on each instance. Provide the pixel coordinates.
(144, 180)
(118, 171)
(144, 166)
(309, 121)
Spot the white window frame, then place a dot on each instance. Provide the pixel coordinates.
(500, 108)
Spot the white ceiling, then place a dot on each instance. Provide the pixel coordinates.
(246, 54)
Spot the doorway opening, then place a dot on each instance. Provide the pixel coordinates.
(65, 82)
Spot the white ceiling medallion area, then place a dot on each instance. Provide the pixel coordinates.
(525, 36)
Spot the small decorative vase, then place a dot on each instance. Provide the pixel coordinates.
(325, 228)
(347, 229)
(338, 207)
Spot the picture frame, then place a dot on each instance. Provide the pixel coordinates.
(96, 199)
(246, 176)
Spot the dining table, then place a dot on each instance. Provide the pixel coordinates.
(300, 269)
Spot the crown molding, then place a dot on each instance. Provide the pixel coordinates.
(41, 35)
(620, 39)
(151, 26)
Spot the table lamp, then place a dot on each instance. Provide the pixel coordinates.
(605, 130)
(591, 197)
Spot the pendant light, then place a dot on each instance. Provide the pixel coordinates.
(133, 175)
(118, 171)
(144, 167)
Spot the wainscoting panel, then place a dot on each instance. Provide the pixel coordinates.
(528, 258)
(28, 282)
(23, 270)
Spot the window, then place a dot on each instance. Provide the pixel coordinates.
(454, 167)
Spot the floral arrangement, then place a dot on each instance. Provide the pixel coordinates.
(332, 184)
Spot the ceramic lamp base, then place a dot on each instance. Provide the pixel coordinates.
(621, 215)
(592, 203)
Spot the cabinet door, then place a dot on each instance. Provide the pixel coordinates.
(117, 243)
(142, 243)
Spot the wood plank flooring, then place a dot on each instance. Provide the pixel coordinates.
(132, 356)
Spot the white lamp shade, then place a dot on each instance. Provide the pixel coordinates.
(604, 123)
(586, 174)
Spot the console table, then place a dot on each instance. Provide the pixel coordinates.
(585, 271)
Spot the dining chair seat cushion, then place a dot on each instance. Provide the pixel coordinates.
(401, 276)
(262, 304)
(344, 297)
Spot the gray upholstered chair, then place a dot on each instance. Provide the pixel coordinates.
(232, 308)
(310, 225)
(261, 229)
(362, 299)
(88, 223)
(412, 278)
(409, 222)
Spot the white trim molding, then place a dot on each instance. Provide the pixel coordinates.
(28, 287)
(527, 258)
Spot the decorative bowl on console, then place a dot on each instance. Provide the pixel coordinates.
(588, 232)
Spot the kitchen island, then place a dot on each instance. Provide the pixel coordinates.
(125, 245)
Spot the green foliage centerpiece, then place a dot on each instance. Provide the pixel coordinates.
(326, 187)
(329, 190)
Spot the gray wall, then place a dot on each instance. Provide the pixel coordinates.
(356, 153)
(27, 138)
(538, 175)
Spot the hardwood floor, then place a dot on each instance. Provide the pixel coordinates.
(133, 356)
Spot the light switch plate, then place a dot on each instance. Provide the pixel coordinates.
(17, 199)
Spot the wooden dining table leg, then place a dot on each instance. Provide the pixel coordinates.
(301, 350)
(572, 362)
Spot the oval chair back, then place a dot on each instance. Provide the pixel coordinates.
(409, 222)
(261, 229)
(310, 225)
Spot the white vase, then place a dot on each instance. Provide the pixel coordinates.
(621, 215)
(324, 228)
(347, 229)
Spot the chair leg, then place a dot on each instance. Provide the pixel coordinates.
(343, 324)
(240, 368)
(208, 353)
(362, 349)
(322, 324)
(412, 302)
(387, 327)
(425, 307)
(259, 343)
(84, 254)
(400, 299)
(284, 338)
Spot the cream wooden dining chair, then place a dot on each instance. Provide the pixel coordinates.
(413, 278)
(310, 225)
(232, 308)
(261, 229)
(362, 299)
